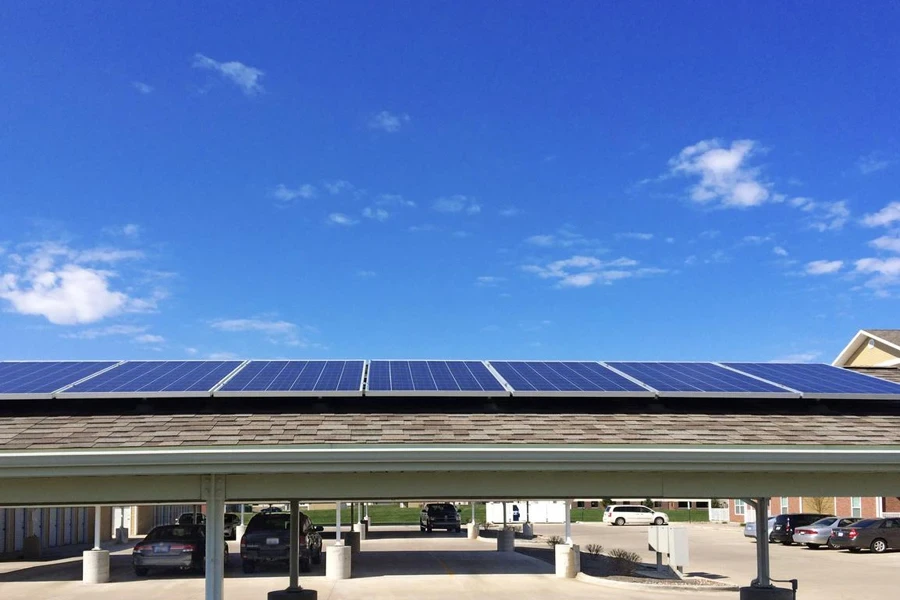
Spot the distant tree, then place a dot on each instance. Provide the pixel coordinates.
(716, 503)
(819, 504)
(648, 502)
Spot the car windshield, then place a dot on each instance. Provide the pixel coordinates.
(173, 532)
(441, 509)
(270, 521)
(826, 522)
(865, 523)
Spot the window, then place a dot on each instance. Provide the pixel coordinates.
(784, 505)
(739, 507)
(856, 506)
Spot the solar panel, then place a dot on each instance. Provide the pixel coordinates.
(692, 379)
(539, 378)
(296, 378)
(432, 378)
(138, 379)
(821, 380)
(40, 379)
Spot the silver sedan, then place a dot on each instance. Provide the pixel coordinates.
(750, 528)
(818, 534)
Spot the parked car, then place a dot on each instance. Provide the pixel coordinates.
(271, 509)
(783, 531)
(633, 514)
(750, 528)
(190, 518)
(172, 547)
(818, 534)
(441, 515)
(232, 520)
(875, 534)
(268, 540)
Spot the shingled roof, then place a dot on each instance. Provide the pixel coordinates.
(888, 335)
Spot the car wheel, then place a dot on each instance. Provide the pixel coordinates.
(620, 521)
(248, 566)
(659, 521)
(830, 544)
(814, 546)
(878, 546)
(786, 543)
(304, 566)
(853, 549)
(421, 528)
(141, 571)
(428, 529)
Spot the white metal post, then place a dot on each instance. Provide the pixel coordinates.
(473, 511)
(762, 543)
(527, 520)
(568, 521)
(337, 523)
(214, 492)
(295, 549)
(96, 528)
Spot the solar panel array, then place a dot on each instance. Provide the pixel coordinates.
(274, 378)
(428, 377)
(295, 377)
(566, 378)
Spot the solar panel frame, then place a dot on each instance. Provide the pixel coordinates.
(110, 364)
(419, 393)
(220, 391)
(785, 393)
(823, 395)
(644, 392)
(96, 394)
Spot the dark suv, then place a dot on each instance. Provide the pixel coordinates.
(784, 525)
(439, 516)
(268, 539)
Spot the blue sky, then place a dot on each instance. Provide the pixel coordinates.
(640, 180)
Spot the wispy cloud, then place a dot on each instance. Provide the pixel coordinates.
(222, 356)
(395, 200)
(338, 187)
(457, 204)
(886, 216)
(873, 162)
(377, 214)
(421, 228)
(632, 235)
(823, 267)
(109, 331)
(885, 272)
(780, 251)
(277, 331)
(823, 216)
(564, 237)
(799, 357)
(245, 77)
(149, 338)
(142, 87)
(886, 242)
(584, 271)
(726, 177)
(489, 281)
(285, 195)
(366, 274)
(388, 121)
(509, 211)
(341, 219)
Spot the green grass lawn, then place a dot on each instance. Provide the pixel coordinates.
(676, 515)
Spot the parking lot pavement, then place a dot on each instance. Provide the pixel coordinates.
(723, 553)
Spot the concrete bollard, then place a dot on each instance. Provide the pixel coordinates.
(506, 540)
(568, 560)
(527, 531)
(31, 548)
(95, 566)
(473, 530)
(360, 528)
(239, 531)
(337, 562)
(352, 541)
(766, 593)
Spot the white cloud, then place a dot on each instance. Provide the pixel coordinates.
(780, 251)
(756, 239)
(191, 351)
(824, 216)
(563, 238)
(489, 280)
(886, 271)
(149, 338)
(823, 267)
(366, 274)
(457, 204)
(378, 214)
(541, 240)
(885, 242)
(388, 121)
(873, 162)
(65, 286)
(341, 219)
(394, 200)
(109, 331)
(725, 177)
(337, 187)
(286, 195)
(421, 228)
(583, 271)
(142, 87)
(635, 236)
(886, 216)
(278, 331)
(222, 356)
(461, 234)
(245, 77)
(799, 357)
(131, 230)
(509, 211)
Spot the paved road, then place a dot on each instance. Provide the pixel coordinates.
(402, 563)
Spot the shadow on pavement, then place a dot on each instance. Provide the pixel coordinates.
(448, 562)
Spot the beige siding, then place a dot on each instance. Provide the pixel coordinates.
(876, 355)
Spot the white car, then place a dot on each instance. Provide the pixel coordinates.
(631, 514)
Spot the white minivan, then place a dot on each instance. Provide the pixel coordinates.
(633, 514)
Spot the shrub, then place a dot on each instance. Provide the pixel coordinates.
(594, 549)
(626, 561)
(553, 540)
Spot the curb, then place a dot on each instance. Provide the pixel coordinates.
(602, 581)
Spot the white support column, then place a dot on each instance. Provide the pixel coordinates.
(762, 543)
(337, 524)
(214, 494)
(568, 521)
(473, 511)
(96, 528)
(295, 549)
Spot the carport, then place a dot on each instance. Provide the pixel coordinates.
(183, 450)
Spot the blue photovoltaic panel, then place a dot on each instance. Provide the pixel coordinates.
(44, 377)
(431, 376)
(570, 377)
(812, 379)
(272, 376)
(158, 377)
(690, 377)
